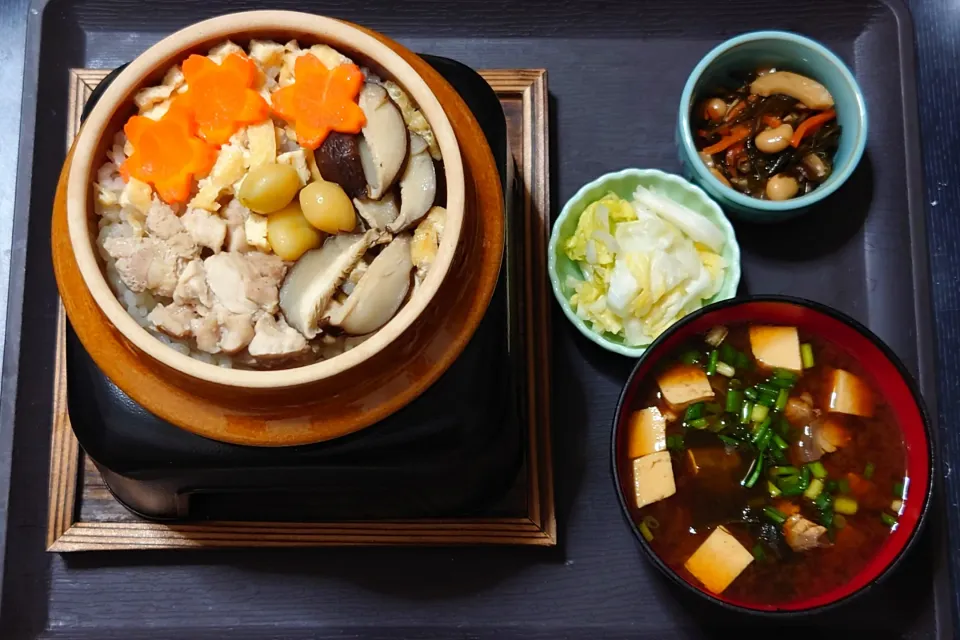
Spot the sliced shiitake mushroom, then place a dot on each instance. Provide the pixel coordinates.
(384, 143)
(418, 186)
(311, 283)
(380, 292)
(378, 214)
(338, 159)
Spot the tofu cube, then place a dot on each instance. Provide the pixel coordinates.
(653, 478)
(848, 393)
(647, 433)
(685, 384)
(718, 561)
(776, 347)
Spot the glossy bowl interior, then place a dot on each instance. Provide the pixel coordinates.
(790, 52)
(624, 183)
(115, 106)
(893, 382)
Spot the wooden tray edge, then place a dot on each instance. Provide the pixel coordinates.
(65, 533)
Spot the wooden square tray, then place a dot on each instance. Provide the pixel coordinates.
(84, 516)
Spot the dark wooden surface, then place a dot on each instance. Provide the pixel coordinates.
(231, 589)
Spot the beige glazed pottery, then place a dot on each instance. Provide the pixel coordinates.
(331, 397)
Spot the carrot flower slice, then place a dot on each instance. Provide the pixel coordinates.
(166, 154)
(221, 96)
(321, 100)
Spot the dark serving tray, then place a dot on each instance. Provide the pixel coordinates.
(617, 70)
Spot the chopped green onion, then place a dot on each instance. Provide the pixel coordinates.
(759, 413)
(735, 384)
(823, 501)
(712, 362)
(728, 353)
(734, 400)
(843, 486)
(839, 522)
(782, 398)
(845, 505)
(693, 412)
(791, 486)
(713, 407)
(746, 409)
(754, 473)
(826, 519)
(806, 355)
(699, 423)
(764, 440)
(831, 486)
(718, 423)
(805, 477)
(733, 442)
(759, 553)
(899, 488)
(776, 515)
(645, 532)
(725, 370)
(743, 361)
(751, 393)
(784, 471)
(814, 490)
(777, 453)
(765, 386)
(782, 383)
(652, 523)
(761, 430)
(869, 470)
(784, 374)
(782, 444)
(675, 442)
(773, 490)
(817, 469)
(767, 399)
(888, 519)
(690, 357)
(896, 505)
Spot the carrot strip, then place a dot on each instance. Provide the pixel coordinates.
(810, 125)
(772, 121)
(736, 135)
(733, 154)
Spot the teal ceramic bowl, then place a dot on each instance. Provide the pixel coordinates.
(790, 52)
(624, 183)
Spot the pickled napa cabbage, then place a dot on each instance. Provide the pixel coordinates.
(645, 264)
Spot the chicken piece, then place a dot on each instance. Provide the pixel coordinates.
(847, 393)
(776, 347)
(268, 54)
(802, 534)
(245, 282)
(173, 319)
(192, 286)
(275, 338)
(207, 230)
(719, 560)
(647, 433)
(162, 221)
(206, 332)
(823, 435)
(145, 264)
(798, 412)
(235, 215)
(236, 331)
(653, 478)
(684, 384)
